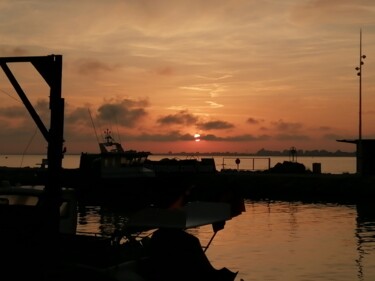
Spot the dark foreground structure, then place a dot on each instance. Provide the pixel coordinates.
(284, 181)
(38, 237)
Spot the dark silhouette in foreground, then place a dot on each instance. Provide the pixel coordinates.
(176, 254)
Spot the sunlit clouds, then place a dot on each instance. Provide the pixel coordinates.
(244, 75)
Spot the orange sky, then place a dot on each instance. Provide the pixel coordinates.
(244, 74)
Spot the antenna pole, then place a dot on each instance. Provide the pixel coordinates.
(360, 86)
(359, 73)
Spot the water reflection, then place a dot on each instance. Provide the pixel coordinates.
(281, 240)
(365, 234)
(103, 221)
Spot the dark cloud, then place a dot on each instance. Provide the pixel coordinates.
(10, 51)
(334, 137)
(285, 126)
(253, 121)
(178, 136)
(92, 66)
(215, 125)
(20, 114)
(22, 139)
(238, 138)
(78, 115)
(13, 112)
(181, 118)
(42, 108)
(125, 112)
(167, 137)
(291, 137)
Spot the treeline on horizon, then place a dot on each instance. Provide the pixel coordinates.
(265, 152)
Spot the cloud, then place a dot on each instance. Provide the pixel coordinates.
(238, 138)
(166, 137)
(253, 121)
(77, 115)
(291, 137)
(214, 125)
(176, 135)
(224, 76)
(214, 104)
(285, 126)
(18, 116)
(197, 59)
(212, 89)
(336, 137)
(181, 118)
(165, 71)
(333, 11)
(93, 66)
(125, 112)
(13, 51)
(42, 106)
(13, 112)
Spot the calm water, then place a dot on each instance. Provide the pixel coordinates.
(286, 241)
(333, 165)
(282, 241)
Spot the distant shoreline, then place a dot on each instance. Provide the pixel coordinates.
(257, 154)
(307, 154)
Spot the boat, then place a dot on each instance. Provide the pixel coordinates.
(119, 256)
(113, 162)
(115, 175)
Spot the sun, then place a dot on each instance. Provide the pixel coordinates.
(197, 137)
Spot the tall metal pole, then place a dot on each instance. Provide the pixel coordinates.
(360, 86)
(359, 73)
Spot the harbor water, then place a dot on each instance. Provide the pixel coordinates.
(279, 241)
(271, 240)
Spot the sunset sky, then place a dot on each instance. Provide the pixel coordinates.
(244, 74)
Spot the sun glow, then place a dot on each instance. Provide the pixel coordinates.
(197, 137)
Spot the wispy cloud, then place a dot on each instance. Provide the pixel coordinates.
(163, 69)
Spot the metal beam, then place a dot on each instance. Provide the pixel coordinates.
(25, 100)
(50, 68)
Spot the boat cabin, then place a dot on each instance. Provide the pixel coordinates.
(114, 162)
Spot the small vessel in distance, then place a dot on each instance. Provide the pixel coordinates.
(113, 162)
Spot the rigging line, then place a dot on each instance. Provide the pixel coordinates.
(118, 133)
(103, 131)
(93, 125)
(28, 145)
(9, 95)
